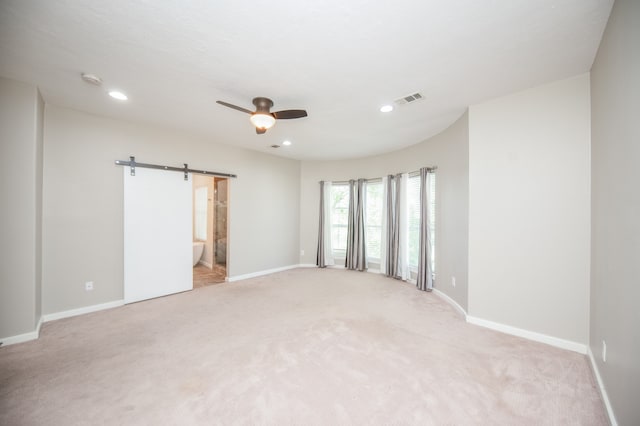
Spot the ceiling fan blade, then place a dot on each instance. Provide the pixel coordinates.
(289, 113)
(235, 107)
(260, 131)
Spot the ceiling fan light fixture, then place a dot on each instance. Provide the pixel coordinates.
(262, 121)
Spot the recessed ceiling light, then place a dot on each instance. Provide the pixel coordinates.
(118, 95)
(286, 143)
(386, 108)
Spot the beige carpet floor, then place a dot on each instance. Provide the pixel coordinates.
(303, 347)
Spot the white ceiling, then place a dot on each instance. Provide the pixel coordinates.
(338, 59)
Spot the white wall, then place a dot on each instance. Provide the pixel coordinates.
(20, 190)
(449, 152)
(615, 209)
(529, 210)
(83, 202)
(38, 201)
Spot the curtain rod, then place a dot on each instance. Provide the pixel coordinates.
(411, 174)
(186, 170)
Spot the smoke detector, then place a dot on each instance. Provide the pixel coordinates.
(92, 79)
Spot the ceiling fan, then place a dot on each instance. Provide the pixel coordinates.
(262, 118)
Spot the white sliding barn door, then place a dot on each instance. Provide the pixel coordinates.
(158, 249)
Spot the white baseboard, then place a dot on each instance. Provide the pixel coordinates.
(83, 310)
(537, 337)
(261, 273)
(603, 391)
(451, 302)
(25, 337)
(270, 271)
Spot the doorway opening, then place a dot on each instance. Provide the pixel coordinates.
(210, 211)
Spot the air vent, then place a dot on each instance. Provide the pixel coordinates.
(275, 146)
(408, 99)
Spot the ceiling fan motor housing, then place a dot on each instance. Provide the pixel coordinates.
(262, 104)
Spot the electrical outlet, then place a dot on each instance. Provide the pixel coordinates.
(301, 252)
(604, 351)
(453, 281)
(88, 286)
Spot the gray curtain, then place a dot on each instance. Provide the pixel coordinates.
(320, 258)
(393, 226)
(356, 252)
(425, 274)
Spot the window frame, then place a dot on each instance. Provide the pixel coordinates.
(339, 253)
(412, 178)
(366, 224)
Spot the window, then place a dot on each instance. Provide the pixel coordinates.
(339, 219)
(373, 220)
(413, 195)
(432, 222)
(413, 220)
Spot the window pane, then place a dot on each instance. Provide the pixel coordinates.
(339, 217)
(373, 219)
(413, 195)
(432, 221)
